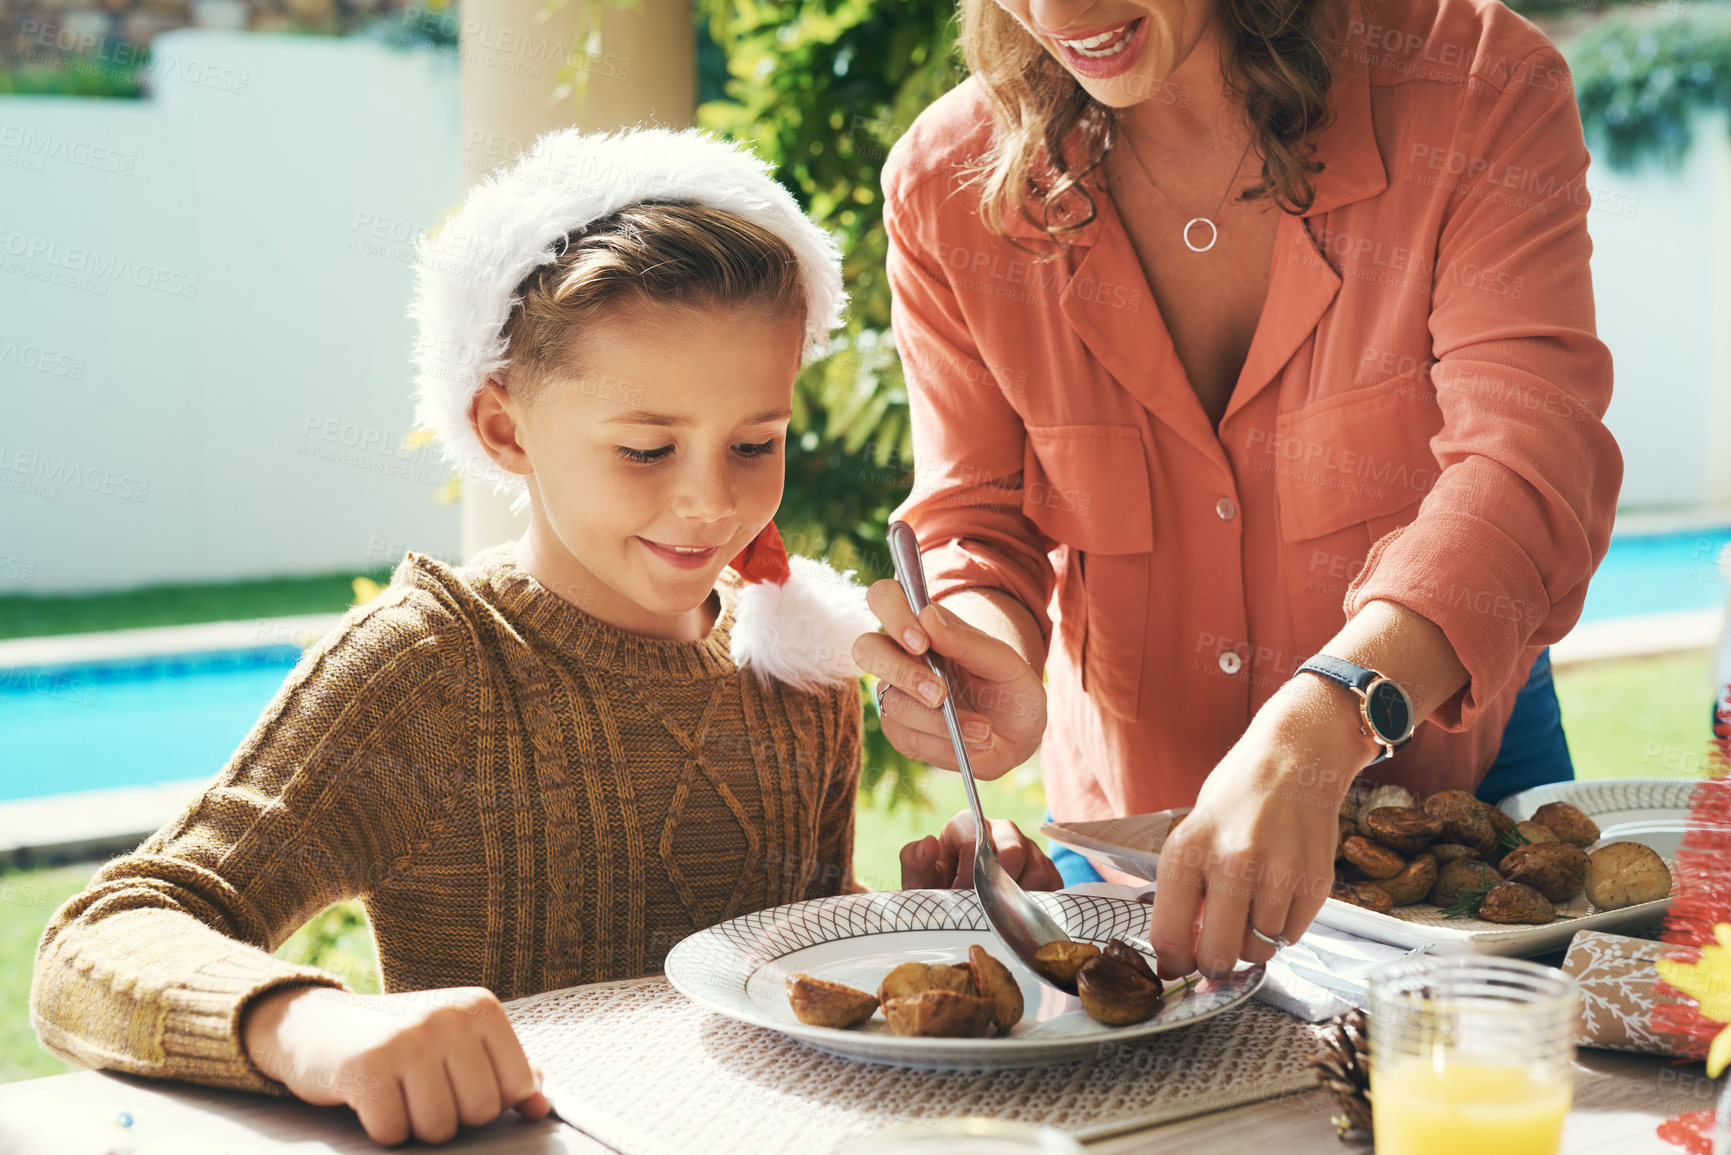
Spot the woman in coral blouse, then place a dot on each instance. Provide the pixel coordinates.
(1291, 357)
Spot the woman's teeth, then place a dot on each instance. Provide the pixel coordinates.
(1108, 43)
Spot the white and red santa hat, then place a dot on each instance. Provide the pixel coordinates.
(797, 618)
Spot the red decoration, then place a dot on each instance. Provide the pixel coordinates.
(764, 559)
(1692, 1132)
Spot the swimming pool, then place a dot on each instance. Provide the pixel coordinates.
(71, 728)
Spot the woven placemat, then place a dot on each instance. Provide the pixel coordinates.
(642, 1069)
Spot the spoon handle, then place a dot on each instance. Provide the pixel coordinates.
(911, 573)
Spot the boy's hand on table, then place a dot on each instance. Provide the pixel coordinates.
(946, 861)
(416, 1064)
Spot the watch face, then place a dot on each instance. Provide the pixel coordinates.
(1390, 710)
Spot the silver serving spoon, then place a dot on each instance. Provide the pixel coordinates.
(1014, 917)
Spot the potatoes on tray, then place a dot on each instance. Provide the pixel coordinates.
(979, 997)
(1459, 853)
(1625, 873)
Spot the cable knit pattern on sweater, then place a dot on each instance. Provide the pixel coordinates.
(523, 797)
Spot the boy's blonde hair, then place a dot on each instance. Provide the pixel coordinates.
(655, 254)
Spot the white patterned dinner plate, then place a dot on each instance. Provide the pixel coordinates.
(739, 969)
(1647, 810)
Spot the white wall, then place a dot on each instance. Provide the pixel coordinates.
(1662, 283)
(219, 276)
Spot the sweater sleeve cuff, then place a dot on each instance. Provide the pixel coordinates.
(201, 1035)
(1475, 583)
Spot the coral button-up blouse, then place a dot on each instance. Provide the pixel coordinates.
(1418, 419)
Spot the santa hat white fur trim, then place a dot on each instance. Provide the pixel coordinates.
(467, 269)
(801, 633)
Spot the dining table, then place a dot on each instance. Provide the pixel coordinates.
(1619, 1101)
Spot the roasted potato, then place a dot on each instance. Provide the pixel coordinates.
(1377, 861)
(1622, 874)
(1345, 871)
(1380, 796)
(1535, 832)
(1059, 961)
(994, 981)
(1348, 828)
(1510, 902)
(912, 978)
(1465, 819)
(1554, 869)
(1568, 822)
(821, 1003)
(940, 1013)
(1501, 823)
(1116, 992)
(1405, 829)
(1447, 852)
(1412, 884)
(1455, 878)
(1365, 894)
(1138, 962)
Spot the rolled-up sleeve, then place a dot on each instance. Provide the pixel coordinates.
(969, 441)
(1501, 549)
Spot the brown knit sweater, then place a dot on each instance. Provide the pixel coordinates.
(522, 796)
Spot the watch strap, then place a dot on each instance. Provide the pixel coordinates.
(1348, 674)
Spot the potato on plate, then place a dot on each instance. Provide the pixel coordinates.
(1405, 829)
(821, 1003)
(1366, 894)
(1377, 861)
(1454, 879)
(1623, 874)
(912, 978)
(1117, 991)
(1554, 869)
(1465, 819)
(1535, 831)
(1412, 884)
(1447, 852)
(1059, 961)
(1568, 822)
(939, 1013)
(1512, 902)
(992, 979)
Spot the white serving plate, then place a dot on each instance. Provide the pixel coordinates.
(739, 968)
(1647, 810)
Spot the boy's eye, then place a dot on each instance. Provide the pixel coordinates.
(760, 449)
(644, 455)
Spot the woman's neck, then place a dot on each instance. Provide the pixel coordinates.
(1193, 113)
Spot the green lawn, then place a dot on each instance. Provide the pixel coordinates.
(33, 615)
(1640, 717)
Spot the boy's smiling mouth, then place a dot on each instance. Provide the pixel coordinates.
(685, 556)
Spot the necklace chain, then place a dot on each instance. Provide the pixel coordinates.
(1213, 229)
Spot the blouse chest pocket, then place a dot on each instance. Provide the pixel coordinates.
(1086, 487)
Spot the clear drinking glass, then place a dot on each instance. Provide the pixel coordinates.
(1471, 1054)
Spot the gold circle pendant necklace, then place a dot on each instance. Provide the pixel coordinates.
(1213, 229)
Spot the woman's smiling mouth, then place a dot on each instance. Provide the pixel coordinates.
(684, 556)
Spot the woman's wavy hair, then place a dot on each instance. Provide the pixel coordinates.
(1279, 63)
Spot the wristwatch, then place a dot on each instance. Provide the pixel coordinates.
(1385, 709)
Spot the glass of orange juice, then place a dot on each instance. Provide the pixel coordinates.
(1471, 1054)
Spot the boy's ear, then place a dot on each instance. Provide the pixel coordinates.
(493, 416)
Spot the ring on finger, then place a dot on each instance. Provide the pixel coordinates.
(878, 688)
(1278, 942)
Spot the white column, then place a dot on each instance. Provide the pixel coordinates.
(643, 71)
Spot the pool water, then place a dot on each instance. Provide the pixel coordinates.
(160, 719)
(1658, 573)
(64, 729)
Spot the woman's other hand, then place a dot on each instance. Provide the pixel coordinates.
(946, 861)
(412, 1065)
(1000, 700)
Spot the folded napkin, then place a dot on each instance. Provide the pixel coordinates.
(1320, 976)
(1617, 981)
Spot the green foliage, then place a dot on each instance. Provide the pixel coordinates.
(821, 91)
(77, 76)
(1640, 76)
